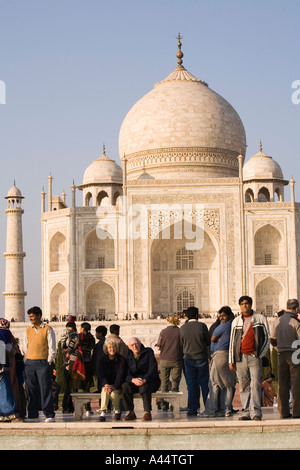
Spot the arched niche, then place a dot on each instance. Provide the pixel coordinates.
(102, 197)
(88, 199)
(249, 195)
(263, 195)
(100, 301)
(58, 301)
(116, 199)
(268, 246)
(278, 195)
(269, 296)
(58, 253)
(99, 252)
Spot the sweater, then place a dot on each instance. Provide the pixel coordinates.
(37, 347)
(170, 345)
(195, 339)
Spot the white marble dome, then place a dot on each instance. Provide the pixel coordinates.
(103, 170)
(182, 126)
(261, 166)
(14, 192)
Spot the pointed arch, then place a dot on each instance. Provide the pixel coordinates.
(100, 301)
(101, 197)
(58, 252)
(99, 253)
(249, 195)
(278, 195)
(269, 296)
(268, 246)
(88, 199)
(264, 195)
(174, 269)
(58, 301)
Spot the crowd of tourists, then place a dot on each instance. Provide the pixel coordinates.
(213, 362)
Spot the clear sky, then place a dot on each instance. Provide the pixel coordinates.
(72, 69)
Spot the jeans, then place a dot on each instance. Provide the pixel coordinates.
(197, 377)
(249, 378)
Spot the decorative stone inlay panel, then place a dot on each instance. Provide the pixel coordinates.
(180, 181)
(268, 205)
(138, 273)
(160, 219)
(184, 287)
(279, 224)
(179, 156)
(280, 277)
(61, 229)
(87, 228)
(59, 280)
(110, 280)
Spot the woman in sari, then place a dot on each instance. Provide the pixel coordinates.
(8, 408)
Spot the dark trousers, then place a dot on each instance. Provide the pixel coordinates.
(288, 375)
(67, 403)
(146, 390)
(39, 388)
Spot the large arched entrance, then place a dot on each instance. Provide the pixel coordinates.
(181, 277)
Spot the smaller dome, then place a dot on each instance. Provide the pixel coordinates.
(14, 192)
(103, 170)
(261, 166)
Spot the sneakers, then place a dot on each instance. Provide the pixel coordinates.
(117, 416)
(130, 416)
(50, 420)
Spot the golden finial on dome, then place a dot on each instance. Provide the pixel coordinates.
(179, 54)
(260, 146)
(104, 149)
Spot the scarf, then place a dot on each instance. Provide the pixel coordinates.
(79, 368)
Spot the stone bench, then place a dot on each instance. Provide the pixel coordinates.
(81, 399)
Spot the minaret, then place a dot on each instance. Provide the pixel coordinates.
(14, 277)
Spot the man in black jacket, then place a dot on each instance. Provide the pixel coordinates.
(196, 343)
(142, 377)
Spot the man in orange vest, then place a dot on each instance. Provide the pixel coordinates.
(40, 352)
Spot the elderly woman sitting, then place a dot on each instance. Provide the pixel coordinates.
(112, 373)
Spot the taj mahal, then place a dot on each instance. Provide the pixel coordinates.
(185, 220)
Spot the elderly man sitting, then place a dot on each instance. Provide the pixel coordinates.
(142, 377)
